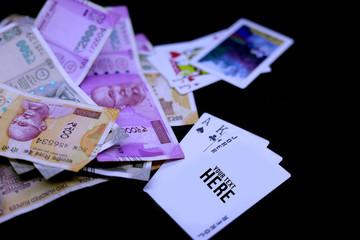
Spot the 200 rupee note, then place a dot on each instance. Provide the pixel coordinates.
(28, 64)
(52, 132)
(179, 109)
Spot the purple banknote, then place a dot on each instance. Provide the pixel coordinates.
(76, 31)
(115, 80)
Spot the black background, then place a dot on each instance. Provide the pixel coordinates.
(295, 107)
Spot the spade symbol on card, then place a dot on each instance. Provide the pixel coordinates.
(200, 130)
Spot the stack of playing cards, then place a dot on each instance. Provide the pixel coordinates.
(226, 170)
(237, 55)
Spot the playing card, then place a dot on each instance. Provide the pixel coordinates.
(210, 130)
(175, 59)
(143, 44)
(191, 84)
(211, 135)
(210, 190)
(241, 54)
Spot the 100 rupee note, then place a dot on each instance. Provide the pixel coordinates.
(18, 196)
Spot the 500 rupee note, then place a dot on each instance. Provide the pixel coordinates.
(28, 64)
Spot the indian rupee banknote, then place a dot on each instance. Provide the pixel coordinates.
(28, 64)
(76, 31)
(179, 109)
(52, 132)
(115, 80)
(18, 195)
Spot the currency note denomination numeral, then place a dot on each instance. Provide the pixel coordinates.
(68, 130)
(82, 44)
(175, 118)
(26, 52)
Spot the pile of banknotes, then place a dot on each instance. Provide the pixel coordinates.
(76, 106)
(82, 98)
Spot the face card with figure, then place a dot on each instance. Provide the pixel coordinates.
(179, 109)
(175, 59)
(241, 55)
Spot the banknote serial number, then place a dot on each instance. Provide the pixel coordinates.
(85, 39)
(36, 43)
(45, 141)
(140, 129)
(26, 52)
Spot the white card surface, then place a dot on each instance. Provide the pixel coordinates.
(206, 194)
(200, 139)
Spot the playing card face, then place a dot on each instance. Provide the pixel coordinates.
(206, 193)
(242, 54)
(175, 58)
(211, 135)
(173, 61)
(209, 132)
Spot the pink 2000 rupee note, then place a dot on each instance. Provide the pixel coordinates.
(28, 64)
(75, 45)
(115, 80)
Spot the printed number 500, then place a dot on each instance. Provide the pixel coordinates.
(26, 52)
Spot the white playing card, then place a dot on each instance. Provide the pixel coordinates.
(188, 85)
(208, 192)
(175, 59)
(211, 134)
(209, 129)
(191, 84)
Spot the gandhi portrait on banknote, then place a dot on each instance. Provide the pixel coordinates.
(119, 96)
(31, 122)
